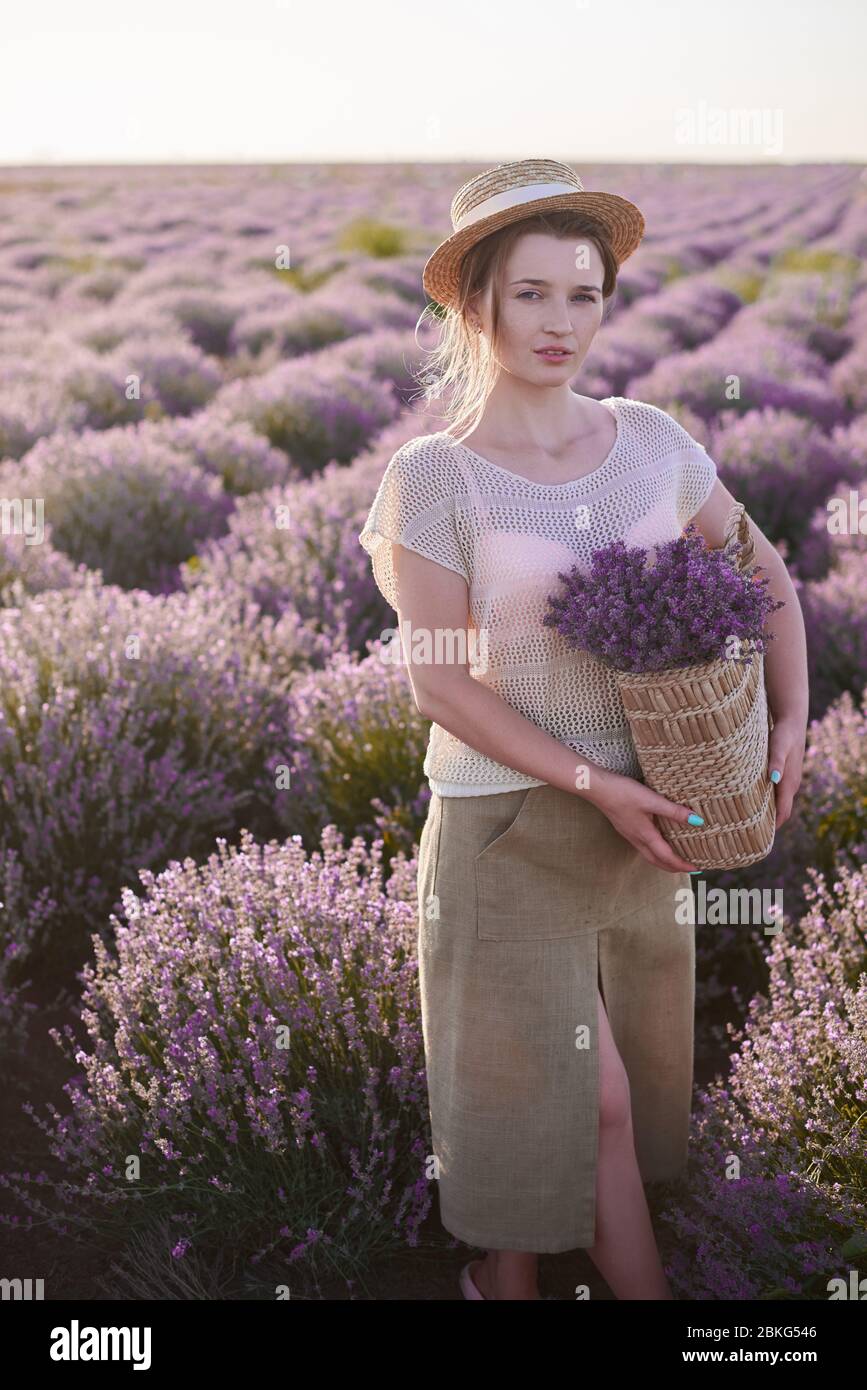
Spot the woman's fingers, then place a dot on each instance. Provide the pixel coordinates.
(671, 810)
(664, 856)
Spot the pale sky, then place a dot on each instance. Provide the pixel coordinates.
(190, 81)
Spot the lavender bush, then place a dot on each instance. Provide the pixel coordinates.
(303, 324)
(828, 829)
(849, 378)
(174, 374)
(692, 310)
(681, 612)
(206, 319)
(821, 550)
(826, 832)
(313, 411)
(387, 354)
(122, 503)
(242, 458)
(32, 568)
(772, 368)
(31, 406)
(811, 300)
(255, 1042)
(791, 1114)
(833, 610)
(782, 467)
(105, 328)
(23, 918)
(311, 559)
(298, 545)
(340, 310)
(133, 728)
(98, 386)
(356, 746)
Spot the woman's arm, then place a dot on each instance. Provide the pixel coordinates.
(786, 677)
(432, 609)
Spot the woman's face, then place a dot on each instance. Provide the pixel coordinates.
(551, 296)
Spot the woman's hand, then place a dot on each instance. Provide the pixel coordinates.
(630, 806)
(786, 747)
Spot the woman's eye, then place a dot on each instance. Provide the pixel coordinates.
(580, 295)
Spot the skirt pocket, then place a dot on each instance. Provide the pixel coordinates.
(556, 869)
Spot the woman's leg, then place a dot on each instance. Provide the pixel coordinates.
(509, 1274)
(624, 1250)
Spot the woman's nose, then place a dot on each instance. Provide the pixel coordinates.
(559, 321)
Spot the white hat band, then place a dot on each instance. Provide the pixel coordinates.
(513, 197)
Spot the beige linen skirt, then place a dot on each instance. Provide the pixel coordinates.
(529, 902)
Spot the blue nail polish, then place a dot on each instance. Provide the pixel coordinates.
(696, 820)
(776, 775)
(694, 871)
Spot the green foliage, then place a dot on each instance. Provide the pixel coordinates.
(301, 279)
(801, 259)
(294, 277)
(673, 270)
(367, 770)
(746, 286)
(374, 238)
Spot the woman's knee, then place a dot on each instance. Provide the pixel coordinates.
(615, 1102)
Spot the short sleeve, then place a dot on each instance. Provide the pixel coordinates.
(696, 472)
(415, 507)
(697, 477)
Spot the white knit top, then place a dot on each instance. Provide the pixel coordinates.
(508, 537)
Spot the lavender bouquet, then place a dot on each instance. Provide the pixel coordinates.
(686, 609)
(685, 639)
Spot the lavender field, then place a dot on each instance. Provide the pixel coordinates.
(211, 777)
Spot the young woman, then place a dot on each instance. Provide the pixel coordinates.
(556, 942)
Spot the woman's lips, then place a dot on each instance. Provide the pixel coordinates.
(553, 354)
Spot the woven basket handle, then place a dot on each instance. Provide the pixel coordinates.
(737, 528)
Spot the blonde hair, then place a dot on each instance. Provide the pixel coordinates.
(463, 362)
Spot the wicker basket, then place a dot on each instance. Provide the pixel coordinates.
(701, 736)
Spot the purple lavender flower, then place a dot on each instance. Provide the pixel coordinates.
(681, 612)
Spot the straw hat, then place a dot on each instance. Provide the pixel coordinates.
(512, 191)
